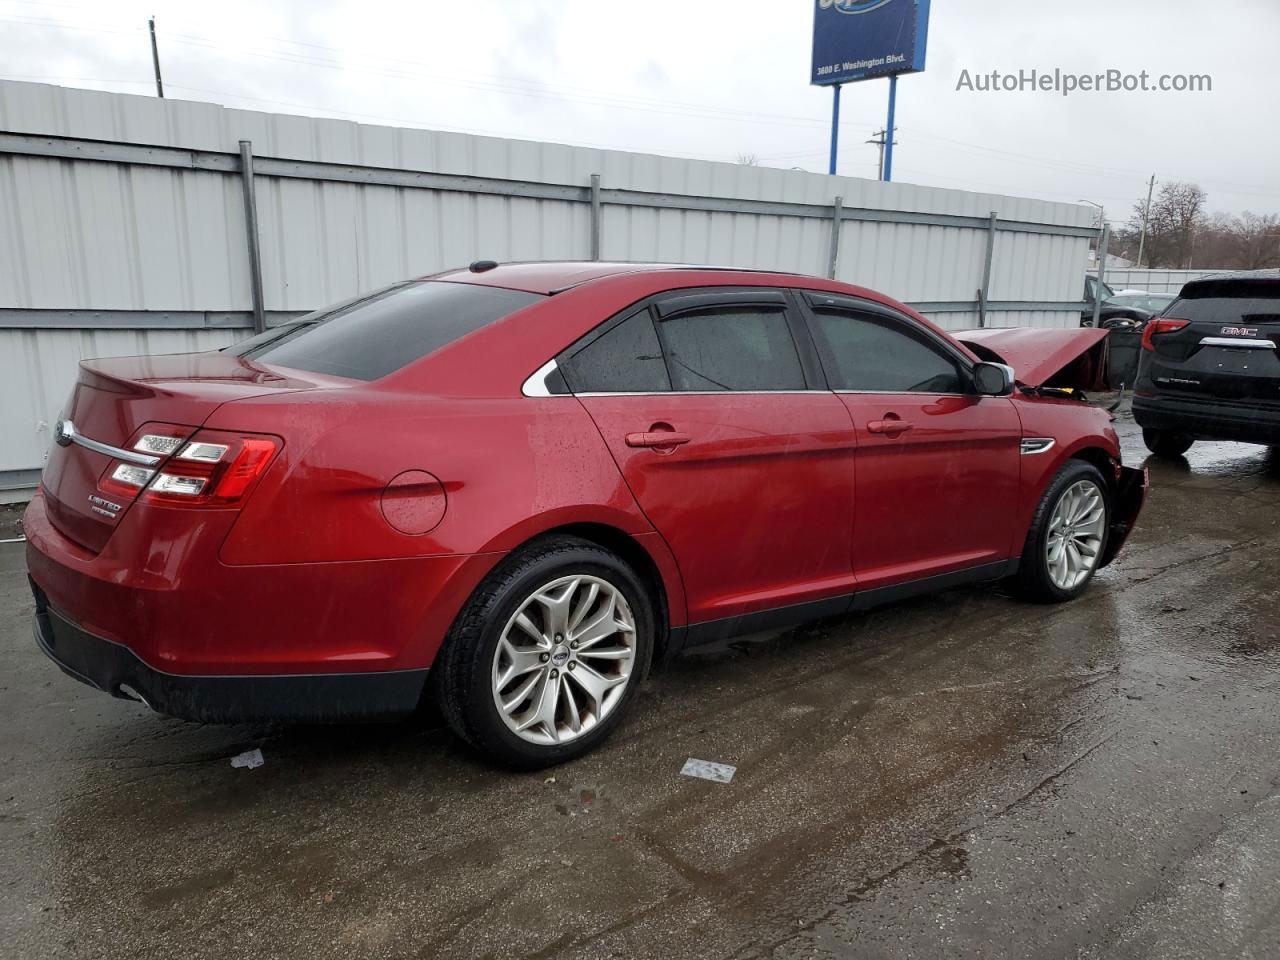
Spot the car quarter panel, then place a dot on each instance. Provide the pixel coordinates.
(486, 475)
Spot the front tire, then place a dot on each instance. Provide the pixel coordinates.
(1068, 535)
(547, 655)
(1166, 443)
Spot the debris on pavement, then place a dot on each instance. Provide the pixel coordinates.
(250, 759)
(707, 770)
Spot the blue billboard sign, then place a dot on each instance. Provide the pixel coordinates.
(861, 39)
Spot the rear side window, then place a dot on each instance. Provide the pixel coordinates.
(368, 338)
(1236, 310)
(731, 348)
(626, 359)
(874, 354)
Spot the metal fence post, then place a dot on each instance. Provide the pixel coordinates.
(984, 291)
(1102, 271)
(836, 212)
(595, 216)
(251, 230)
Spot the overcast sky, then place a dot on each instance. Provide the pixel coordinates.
(714, 79)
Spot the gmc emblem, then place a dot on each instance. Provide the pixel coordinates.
(1240, 331)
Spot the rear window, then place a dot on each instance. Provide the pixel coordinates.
(1243, 310)
(370, 337)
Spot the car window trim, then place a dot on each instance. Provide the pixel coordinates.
(699, 298)
(729, 298)
(914, 330)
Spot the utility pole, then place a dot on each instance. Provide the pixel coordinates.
(1146, 216)
(879, 138)
(155, 58)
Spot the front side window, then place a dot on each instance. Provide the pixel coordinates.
(372, 336)
(744, 347)
(869, 353)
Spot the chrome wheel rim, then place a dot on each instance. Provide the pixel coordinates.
(1075, 534)
(564, 660)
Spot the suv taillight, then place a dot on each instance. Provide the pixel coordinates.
(1157, 326)
(211, 469)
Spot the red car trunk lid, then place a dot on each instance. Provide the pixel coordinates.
(113, 398)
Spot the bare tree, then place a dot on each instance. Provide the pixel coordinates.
(1257, 240)
(1177, 214)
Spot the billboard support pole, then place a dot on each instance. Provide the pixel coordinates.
(890, 128)
(835, 128)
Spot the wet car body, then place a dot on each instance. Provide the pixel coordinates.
(324, 585)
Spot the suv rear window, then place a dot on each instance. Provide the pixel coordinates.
(1244, 310)
(372, 336)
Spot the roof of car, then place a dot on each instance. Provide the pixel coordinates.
(553, 276)
(1243, 283)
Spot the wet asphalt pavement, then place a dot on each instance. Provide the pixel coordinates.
(961, 776)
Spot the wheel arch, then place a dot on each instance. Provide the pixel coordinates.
(1099, 457)
(638, 556)
(643, 549)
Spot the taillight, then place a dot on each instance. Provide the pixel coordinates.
(1157, 326)
(124, 481)
(212, 469)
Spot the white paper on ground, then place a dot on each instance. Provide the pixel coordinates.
(719, 772)
(249, 759)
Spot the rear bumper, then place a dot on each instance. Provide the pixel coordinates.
(115, 669)
(1208, 419)
(158, 590)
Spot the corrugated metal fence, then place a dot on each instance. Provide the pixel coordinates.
(123, 229)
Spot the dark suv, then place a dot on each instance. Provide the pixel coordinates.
(1209, 368)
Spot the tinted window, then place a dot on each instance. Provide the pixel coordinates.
(732, 348)
(1242, 310)
(627, 359)
(376, 335)
(872, 353)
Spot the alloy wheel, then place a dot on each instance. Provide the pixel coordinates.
(1076, 529)
(564, 659)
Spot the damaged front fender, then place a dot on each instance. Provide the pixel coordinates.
(1130, 493)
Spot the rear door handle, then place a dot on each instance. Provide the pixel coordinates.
(892, 427)
(657, 438)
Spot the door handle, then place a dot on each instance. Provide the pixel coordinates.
(657, 439)
(892, 426)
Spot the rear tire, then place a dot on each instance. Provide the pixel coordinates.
(530, 620)
(1068, 535)
(1166, 443)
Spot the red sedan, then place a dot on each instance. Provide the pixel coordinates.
(518, 486)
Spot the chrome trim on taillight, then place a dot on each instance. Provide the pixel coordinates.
(1034, 445)
(203, 452)
(158, 443)
(65, 433)
(175, 483)
(132, 475)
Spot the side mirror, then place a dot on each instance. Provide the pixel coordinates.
(993, 379)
